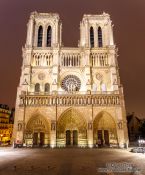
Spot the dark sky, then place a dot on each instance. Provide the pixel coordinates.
(128, 17)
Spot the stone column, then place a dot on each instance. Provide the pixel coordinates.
(60, 34)
(30, 26)
(90, 134)
(38, 138)
(44, 38)
(120, 133)
(87, 70)
(95, 36)
(56, 34)
(55, 70)
(111, 35)
(87, 32)
(53, 134)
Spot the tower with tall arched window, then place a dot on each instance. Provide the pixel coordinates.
(98, 27)
(44, 30)
(70, 96)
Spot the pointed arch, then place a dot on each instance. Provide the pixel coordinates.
(73, 123)
(103, 115)
(73, 118)
(38, 122)
(105, 129)
(49, 36)
(91, 37)
(37, 131)
(100, 41)
(40, 36)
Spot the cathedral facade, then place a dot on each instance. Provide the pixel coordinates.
(70, 96)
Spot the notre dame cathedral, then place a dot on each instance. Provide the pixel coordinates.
(70, 96)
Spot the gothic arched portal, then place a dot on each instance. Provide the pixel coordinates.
(71, 129)
(37, 132)
(105, 131)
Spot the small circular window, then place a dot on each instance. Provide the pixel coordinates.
(71, 83)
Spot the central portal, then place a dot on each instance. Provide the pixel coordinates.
(71, 138)
(71, 129)
(38, 139)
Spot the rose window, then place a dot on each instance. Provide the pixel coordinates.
(71, 83)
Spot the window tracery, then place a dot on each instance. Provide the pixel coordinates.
(71, 83)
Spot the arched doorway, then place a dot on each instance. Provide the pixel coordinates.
(105, 131)
(37, 131)
(71, 129)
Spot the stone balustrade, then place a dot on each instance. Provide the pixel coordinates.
(44, 58)
(71, 59)
(99, 59)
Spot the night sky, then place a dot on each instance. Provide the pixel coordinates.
(128, 17)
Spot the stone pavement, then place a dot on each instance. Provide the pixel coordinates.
(68, 161)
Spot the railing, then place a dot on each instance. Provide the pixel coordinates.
(69, 100)
(99, 59)
(70, 59)
(44, 58)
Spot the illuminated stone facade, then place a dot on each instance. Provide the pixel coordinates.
(70, 96)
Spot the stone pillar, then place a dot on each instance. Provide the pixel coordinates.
(53, 135)
(30, 26)
(121, 140)
(60, 34)
(55, 70)
(90, 134)
(38, 138)
(18, 129)
(95, 36)
(56, 34)
(111, 35)
(44, 38)
(87, 70)
(120, 134)
(86, 34)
